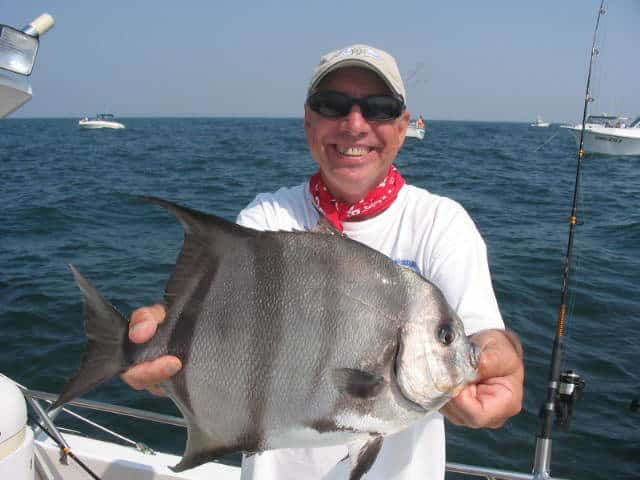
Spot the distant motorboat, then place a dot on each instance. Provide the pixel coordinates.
(101, 120)
(540, 123)
(414, 131)
(608, 135)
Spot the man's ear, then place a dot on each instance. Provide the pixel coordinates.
(403, 124)
(405, 118)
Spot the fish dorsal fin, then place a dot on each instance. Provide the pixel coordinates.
(205, 238)
(326, 227)
(198, 223)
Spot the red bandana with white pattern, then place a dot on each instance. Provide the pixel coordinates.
(376, 201)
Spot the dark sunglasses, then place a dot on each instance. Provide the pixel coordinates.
(381, 108)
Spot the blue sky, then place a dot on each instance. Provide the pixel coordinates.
(462, 60)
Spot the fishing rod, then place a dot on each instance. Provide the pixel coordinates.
(564, 388)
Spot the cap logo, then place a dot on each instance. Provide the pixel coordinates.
(363, 56)
(358, 52)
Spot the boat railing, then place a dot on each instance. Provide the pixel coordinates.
(33, 395)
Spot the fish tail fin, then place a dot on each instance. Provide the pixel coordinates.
(107, 334)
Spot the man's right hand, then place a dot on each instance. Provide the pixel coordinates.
(148, 375)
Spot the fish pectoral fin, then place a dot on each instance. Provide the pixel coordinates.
(358, 383)
(363, 456)
(200, 449)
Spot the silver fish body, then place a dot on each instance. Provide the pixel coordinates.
(288, 339)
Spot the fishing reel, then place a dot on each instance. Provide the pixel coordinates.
(570, 388)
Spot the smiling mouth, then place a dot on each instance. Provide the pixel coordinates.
(358, 151)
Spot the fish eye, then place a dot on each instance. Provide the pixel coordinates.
(446, 334)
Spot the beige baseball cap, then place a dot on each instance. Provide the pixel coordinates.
(364, 56)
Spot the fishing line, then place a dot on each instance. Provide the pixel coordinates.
(551, 138)
(577, 258)
(412, 77)
(66, 450)
(139, 445)
(602, 73)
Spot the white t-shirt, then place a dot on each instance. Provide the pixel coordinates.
(433, 235)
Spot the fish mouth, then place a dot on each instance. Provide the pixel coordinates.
(469, 362)
(466, 375)
(458, 389)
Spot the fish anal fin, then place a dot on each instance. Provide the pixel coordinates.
(201, 448)
(196, 459)
(358, 383)
(363, 456)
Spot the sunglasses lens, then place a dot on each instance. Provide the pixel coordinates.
(336, 104)
(330, 104)
(381, 108)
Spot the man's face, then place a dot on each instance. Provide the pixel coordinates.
(354, 153)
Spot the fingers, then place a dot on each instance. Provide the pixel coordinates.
(145, 321)
(157, 390)
(501, 353)
(483, 406)
(501, 386)
(149, 374)
(456, 409)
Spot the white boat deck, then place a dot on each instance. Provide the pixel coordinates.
(111, 461)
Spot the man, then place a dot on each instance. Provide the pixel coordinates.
(355, 122)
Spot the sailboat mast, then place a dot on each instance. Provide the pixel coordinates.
(556, 387)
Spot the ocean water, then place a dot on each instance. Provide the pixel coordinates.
(68, 197)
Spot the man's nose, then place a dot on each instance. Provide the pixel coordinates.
(354, 122)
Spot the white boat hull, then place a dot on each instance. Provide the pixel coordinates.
(540, 123)
(93, 124)
(18, 465)
(415, 132)
(608, 141)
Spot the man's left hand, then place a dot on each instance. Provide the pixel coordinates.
(497, 394)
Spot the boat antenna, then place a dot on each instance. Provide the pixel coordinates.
(564, 388)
